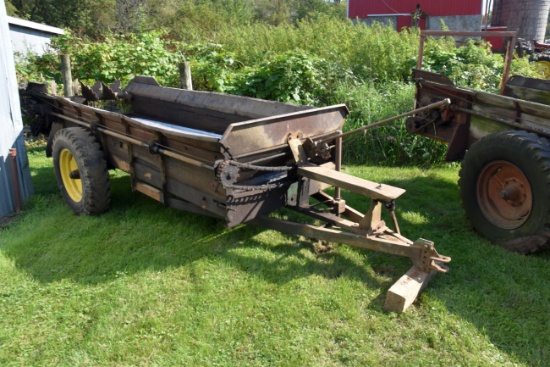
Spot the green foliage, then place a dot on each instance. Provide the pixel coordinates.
(291, 77)
(11, 9)
(121, 57)
(315, 8)
(39, 68)
(389, 144)
(82, 17)
(472, 64)
(187, 19)
(523, 66)
(371, 53)
(213, 68)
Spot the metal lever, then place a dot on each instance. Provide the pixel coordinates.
(431, 106)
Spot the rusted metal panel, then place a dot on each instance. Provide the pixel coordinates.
(272, 132)
(245, 107)
(474, 114)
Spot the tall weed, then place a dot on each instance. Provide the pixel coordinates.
(389, 144)
(371, 53)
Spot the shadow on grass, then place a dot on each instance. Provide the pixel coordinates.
(505, 295)
(139, 234)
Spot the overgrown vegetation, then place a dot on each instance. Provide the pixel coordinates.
(317, 60)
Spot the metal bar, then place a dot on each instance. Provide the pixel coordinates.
(259, 160)
(507, 62)
(376, 243)
(431, 106)
(332, 219)
(338, 167)
(502, 121)
(131, 140)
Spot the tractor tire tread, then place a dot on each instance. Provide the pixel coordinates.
(537, 150)
(92, 165)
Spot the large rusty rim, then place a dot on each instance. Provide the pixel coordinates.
(504, 195)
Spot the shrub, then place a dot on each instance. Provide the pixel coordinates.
(291, 77)
(120, 57)
(389, 144)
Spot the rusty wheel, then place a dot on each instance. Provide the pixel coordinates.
(504, 195)
(505, 189)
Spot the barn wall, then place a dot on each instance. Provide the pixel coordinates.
(453, 23)
(457, 15)
(361, 9)
(456, 23)
(11, 126)
(387, 20)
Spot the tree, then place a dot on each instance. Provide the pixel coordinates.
(528, 17)
(91, 17)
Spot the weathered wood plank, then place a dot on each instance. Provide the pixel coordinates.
(371, 189)
(403, 293)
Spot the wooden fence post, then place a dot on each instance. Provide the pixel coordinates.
(66, 74)
(185, 75)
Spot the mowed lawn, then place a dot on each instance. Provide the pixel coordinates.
(143, 285)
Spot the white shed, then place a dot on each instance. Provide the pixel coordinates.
(30, 37)
(11, 129)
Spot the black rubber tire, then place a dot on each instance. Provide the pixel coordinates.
(93, 196)
(531, 154)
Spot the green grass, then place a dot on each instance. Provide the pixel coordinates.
(143, 285)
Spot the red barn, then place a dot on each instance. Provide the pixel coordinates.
(465, 15)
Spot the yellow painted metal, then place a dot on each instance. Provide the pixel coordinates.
(67, 164)
(544, 67)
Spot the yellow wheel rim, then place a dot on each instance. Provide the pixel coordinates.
(73, 186)
(544, 67)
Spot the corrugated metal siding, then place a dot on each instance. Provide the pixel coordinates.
(11, 125)
(362, 8)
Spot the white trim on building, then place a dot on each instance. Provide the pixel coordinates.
(33, 25)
